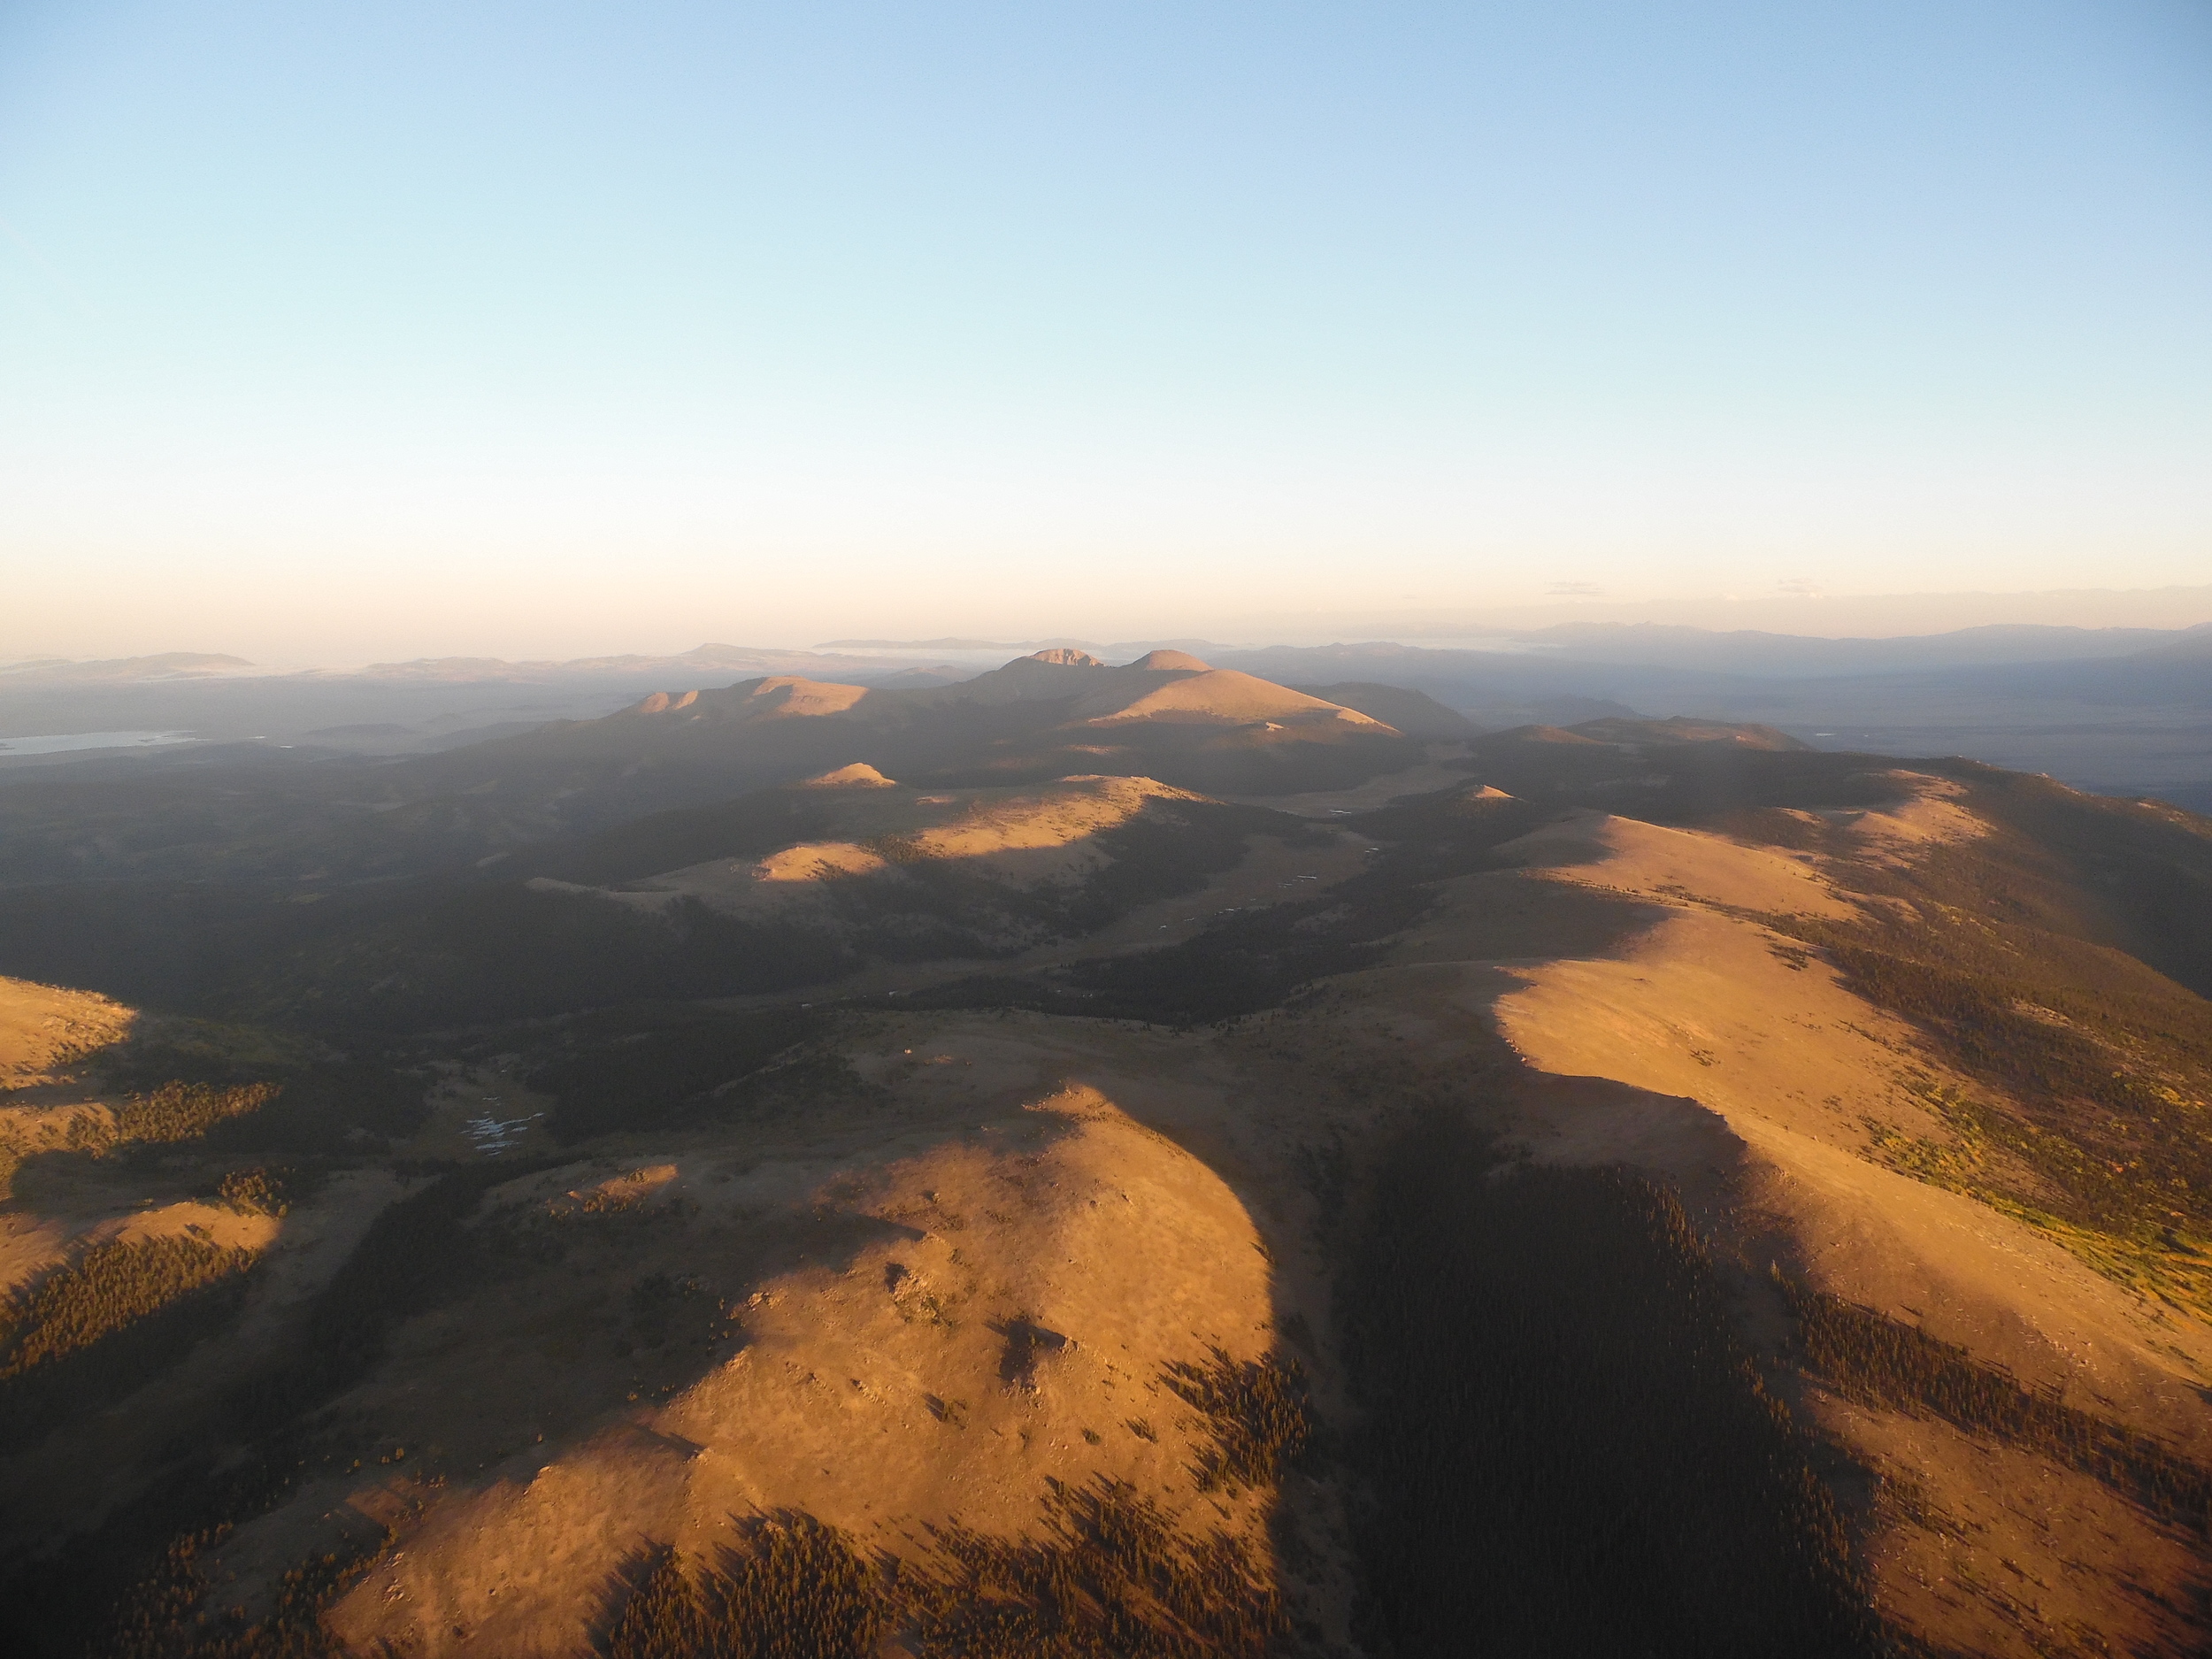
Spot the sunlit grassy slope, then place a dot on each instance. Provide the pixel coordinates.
(1666, 1192)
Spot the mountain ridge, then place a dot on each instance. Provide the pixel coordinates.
(910, 1153)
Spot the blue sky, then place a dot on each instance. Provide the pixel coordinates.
(353, 330)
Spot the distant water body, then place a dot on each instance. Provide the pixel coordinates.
(62, 742)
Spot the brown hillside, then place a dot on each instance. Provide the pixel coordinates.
(1216, 697)
(1166, 662)
(776, 697)
(1415, 713)
(1682, 729)
(1540, 734)
(1663, 1195)
(859, 775)
(45, 1031)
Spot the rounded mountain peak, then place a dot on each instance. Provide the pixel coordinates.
(1172, 662)
(1065, 656)
(859, 775)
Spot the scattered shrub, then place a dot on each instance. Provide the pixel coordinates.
(2090, 1113)
(1259, 1412)
(1111, 1576)
(792, 1588)
(1025, 1341)
(1882, 1362)
(162, 1616)
(261, 1191)
(123, 1591)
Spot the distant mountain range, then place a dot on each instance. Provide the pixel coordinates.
(2113, 709)
(1703, 650)
(167, 665)
(1700, 649)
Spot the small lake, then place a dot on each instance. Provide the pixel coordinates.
(63, 743)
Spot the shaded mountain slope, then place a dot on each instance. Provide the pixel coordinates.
(797, 886)
(348, 819)
(1413, 712)
(2110, 709)
(1680, 729)
(1883, 1159)
(1663, 1188)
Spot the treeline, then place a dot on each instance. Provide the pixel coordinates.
(1258, 958)
(416, 1251)
(1988, 1026)
(182, 1111)
(1675, 783)
(108, 1287)
(1260, 1411)
(1169, 849)
(322, 1104)
(2091, 1077)
(1882, 1362)
(2113, 870)
(412, 956)
(329, 1108)
(1566, 1450)
(1109, 1575)
(322, 1110)
(1112, 1574)
(164, 1616)
(476, 954)
(2034, 959)
(128, 1588)
(792, 1589)
(108, 1322)
(1241, 964)
(944, 907)
(172, 1113)
(139, 1587)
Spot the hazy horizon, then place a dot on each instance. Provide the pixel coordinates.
(412, 330)
(1874, 616)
